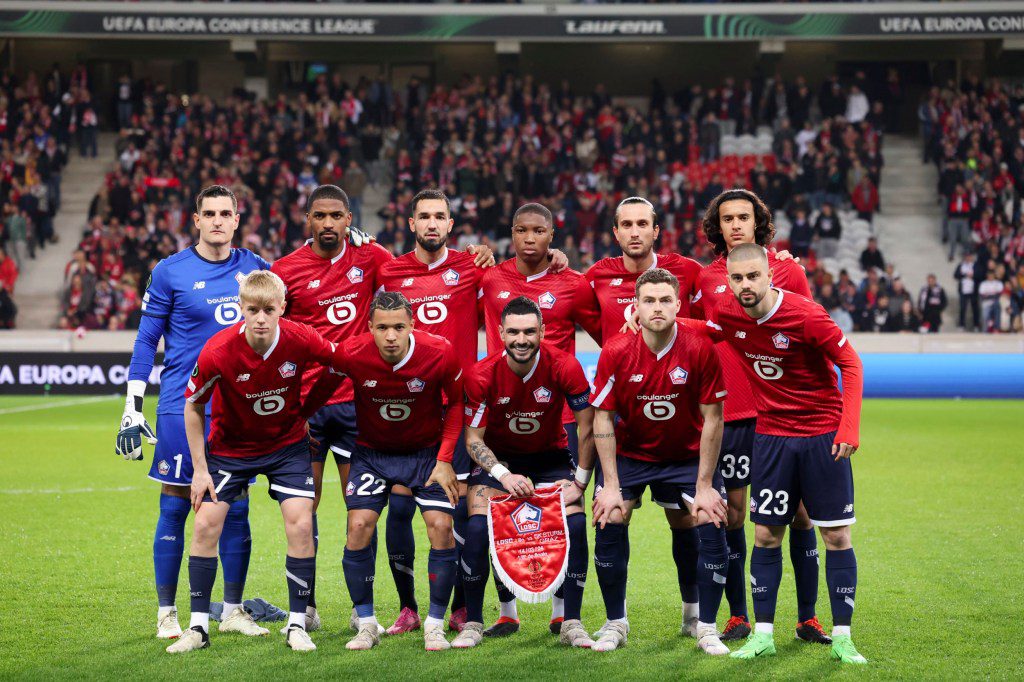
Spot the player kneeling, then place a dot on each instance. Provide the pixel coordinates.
(405, 438)
(515, 401)
(253, 373)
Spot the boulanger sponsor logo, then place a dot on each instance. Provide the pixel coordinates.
(395, 412)
(660, 410)
(270, 404)
(523, 425)
(766, 366)
(432, 310)
(228, 312)
(621, 27)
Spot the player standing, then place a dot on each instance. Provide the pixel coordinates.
(666, 389)
(330, 286)
(190, 296)
(405, 438)
(608, 291)
(556, 293)
(253, 372)
(515, 436)
(806, 432)
(734, 217)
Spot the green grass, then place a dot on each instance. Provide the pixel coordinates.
(938, 543)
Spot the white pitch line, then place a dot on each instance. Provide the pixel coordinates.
(65, 403)
(67, 491)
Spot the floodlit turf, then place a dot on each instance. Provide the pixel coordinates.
(938, 544)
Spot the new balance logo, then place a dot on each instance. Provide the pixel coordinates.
(720, 289)
(504, 400)
(198, 285)
(504, 294)
(315, 284)
(636, 378)
(407, 282)
(370, 383)
(848, 509)
(309, 480)
(617, 282)
(741, 335)
(242, 377)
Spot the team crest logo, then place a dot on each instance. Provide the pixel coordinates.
(781, 341)
(450, 277)
(239, 277)
(355, 275)
(163, 467)
(546, 300)
(415, 385)
(504, 294)
(617, 282)
(720, 289)
(542, 395)
(287, 370)
(526, 518)
(678, 375)
(407, 282)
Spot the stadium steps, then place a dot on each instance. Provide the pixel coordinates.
(37, 293)
(909, 226)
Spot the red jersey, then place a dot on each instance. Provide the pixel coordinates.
(658, 397)
(443, 296)
(788, 356)
(613, 289)
(557, 294)
(331, 295)
(256, 398)
(523, 415)
(713, 290)
(399, 408)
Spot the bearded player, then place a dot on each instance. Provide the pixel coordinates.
(608, 292)
(191, 296)
(531, 274)
(665, 388)
(807, 430)
(735, 217)
(514, 433)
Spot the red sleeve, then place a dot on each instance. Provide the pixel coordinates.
(712, 385)
(604, 382)
(204, 376)
(707, 328)
(824, 334)
(452, 384)
(476, 397)
(586, 311)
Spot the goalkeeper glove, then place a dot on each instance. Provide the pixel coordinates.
(133, 424)
(357, 237)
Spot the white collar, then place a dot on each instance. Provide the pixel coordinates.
(412, 346)
(540, 274)
(775, 308)
(277, 337)
(344, 248)
(440, 260)
(664, 351)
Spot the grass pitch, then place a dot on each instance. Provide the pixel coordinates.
(938, 541)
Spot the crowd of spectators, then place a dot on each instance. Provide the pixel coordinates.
(974, 133)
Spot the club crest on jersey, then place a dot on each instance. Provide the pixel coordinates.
(242, 377)
(526, 518)
(504, 400)
(355, 275)
(416, 385)
(504, 294)
(546, 300)
(407, 282)
(450, 277)
(315, 284)
(720, 289)
(542, 395)
(163, 467)
(781, 341)
(617, 282)
(678, 375)
(239, 277)
(287, 370)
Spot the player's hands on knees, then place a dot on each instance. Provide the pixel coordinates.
(483, 256)
(844, 450)
(605, 503)
(571, 493)
(708, 501)
(444, 475)
(202, 483)
(632, 324)
(557, 260)
(518, 486)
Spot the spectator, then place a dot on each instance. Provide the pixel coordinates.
(906, 320)
(932, 302)
(857, 106)
(958, 212)
(828, 230)
(354, 183)
(16, 230)
(871, 257)
(865, 199)
(990, 290)
(800, 235)
(8, 276)
(125, 99)
(965, 274)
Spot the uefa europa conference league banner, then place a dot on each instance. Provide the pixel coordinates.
(331, 21)
(886, 375)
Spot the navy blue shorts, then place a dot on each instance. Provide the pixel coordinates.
(572, 433)
(544, 467)
(289, 471)
(172, 460)
(672, 483)
(373, 473)
(737, 448)
(788, 470)
(461, 461)
(334, 427)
